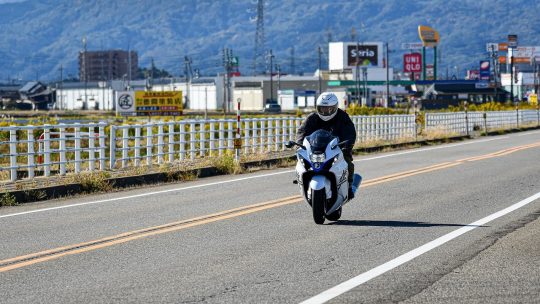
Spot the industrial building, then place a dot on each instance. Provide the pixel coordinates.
(107, 65)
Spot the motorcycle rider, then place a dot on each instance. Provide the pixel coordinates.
(330, 118)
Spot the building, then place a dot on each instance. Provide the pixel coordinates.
(107, 65)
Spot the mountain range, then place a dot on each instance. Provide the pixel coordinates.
(37, 37)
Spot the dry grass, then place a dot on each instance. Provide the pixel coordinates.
(438, 133)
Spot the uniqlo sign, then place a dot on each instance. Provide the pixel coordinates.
(412, 63)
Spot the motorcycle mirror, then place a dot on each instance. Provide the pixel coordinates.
(290, 144)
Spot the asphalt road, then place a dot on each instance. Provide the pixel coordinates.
(249, 239)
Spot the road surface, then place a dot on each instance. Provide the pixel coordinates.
(455, 223)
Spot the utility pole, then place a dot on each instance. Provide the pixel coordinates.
(271, 58)
(387, 77)
(189, 73)
(129, 66)
(493, 55)
(227, 64)
(61, 87)
(357, 78)
(512, 77)
(278, 69)
(319, 51)
(85, 74)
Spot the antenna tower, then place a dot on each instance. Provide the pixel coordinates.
(259, 37)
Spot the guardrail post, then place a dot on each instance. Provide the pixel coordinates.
(221, 137)
(182, 140)
(192, 140)
(31, 151)
(484, 115)
(202, 138)
(13, 154)
(270, 132)
(262, 138)
(171, 142)
(291, 129)
(254, 135)
(77, 148)
(161, 143)
(246, 135)
(137, 154)
(149, 141)
(212, 137)
(284, 132)
(62, 149)
(101, 147)
(230, 135)
(91, 148)
(112, 147)
(46, 151)
(125, 146)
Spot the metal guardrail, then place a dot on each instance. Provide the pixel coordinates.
(29, 151)
(465, 122)
(41, 147)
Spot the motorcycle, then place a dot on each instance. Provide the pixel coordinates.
(322, 174)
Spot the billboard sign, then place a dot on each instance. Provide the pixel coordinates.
(484, 70)
(429, 36)
(363, 55)
(526, 51)
(512, 41)
(412, 63)
(143, 103)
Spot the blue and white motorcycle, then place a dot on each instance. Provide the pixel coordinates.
(322, 174)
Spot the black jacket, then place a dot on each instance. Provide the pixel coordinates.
(341, 126)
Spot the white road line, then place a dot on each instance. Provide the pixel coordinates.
(402, 259)
(236, 180)
(528, 133)
(432, 148)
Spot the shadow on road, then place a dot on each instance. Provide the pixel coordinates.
(404, 224)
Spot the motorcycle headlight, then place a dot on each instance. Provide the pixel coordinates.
(317, 158)
(336, 158)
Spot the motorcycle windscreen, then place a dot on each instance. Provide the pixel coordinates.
(319, 139)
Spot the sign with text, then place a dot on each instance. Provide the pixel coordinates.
(512, 41)
(412, 46)
(363, 55)
(429, 36)
(143, 103)
(484, 70)
(412, 63)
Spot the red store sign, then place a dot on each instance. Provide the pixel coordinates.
(412, 63)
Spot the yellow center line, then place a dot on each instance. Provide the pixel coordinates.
(42, 256)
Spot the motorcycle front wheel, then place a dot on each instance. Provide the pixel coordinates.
(318, 197)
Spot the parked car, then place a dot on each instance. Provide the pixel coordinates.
(272, 108)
